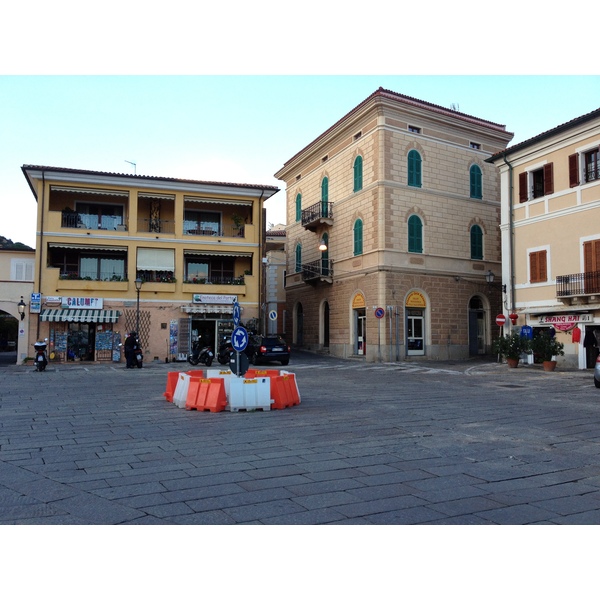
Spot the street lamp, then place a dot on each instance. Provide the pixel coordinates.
(21, 308)
(138, 286)
(489, 277)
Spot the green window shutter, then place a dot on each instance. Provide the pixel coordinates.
(358, 173)
(476, 182)
(414, 169)
(358, 237)
(324, 196)
(476, 243)
(299, 207)
(298, 258)
(415, 234)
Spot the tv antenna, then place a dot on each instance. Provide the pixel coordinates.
(134, 165)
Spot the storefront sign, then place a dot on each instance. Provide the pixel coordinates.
(416, 299)
(35, 304)
(50, 300)
(358, 301)
(565, 322)
(82, 302)
(213, 299)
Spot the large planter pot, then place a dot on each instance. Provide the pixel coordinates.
(513, 363)
(549, 365)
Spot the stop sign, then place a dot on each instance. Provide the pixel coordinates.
(500, 320)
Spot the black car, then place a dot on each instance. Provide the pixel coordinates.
(267, 348)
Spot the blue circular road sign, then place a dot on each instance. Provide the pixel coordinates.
(379, 313)
(239, 339)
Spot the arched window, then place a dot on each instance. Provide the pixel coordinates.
(324, 196)
(358, 173)
(476, 243)
(298, 207)
(414, 168)
(415, 234)
(358, 237)
(298, 258)
(476, 186)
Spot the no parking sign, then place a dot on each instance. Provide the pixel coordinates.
(379, 313)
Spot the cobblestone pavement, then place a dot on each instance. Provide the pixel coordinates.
(401, 443)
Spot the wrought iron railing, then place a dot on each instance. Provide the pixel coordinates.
(317, 269)
(320, 210)
(578, 284)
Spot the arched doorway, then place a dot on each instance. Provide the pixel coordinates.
(325, 322)
(299, 325)
(477, 327)
(9, 333)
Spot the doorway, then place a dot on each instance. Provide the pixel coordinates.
(476, 327)
(360, 329)
(415, 332)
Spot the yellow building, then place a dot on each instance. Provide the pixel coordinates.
(16, 286)
(550, 187)
(192, 248)
(392, 227)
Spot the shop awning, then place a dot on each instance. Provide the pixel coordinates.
(209, 308)
(79, 315)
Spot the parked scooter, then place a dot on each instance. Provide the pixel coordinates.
(41, 360)
(225, 350)
(200, 354)
(138, 355)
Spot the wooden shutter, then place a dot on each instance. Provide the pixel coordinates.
(574, 170)
(548, 179)
(523, 192)
(537, 267)
(591, 256)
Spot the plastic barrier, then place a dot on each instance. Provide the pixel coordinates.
(206, 394)
(172, 377)
(226, 375)
(196, 373)
(252, 373)
(284, 390)
(249, 394)
(181, 390)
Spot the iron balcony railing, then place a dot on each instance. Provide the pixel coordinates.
(320, 210)
(317, 269)
(578, 284)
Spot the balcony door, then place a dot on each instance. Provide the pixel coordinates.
(591, 262)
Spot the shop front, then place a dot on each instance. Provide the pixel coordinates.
(81, 330)
(415, 308)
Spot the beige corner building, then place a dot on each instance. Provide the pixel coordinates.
(551, 234)
(393, 217)
(165, 257)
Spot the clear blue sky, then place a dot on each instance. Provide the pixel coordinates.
(229, 128)
(245, 90)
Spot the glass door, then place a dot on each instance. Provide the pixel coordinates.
(415, 332)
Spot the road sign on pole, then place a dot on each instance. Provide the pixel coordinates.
(273, 315)
(239, 339)
(500, 320)
(236, 313)
(379, 313)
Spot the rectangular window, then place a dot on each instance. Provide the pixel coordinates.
(540, 182)
(414, 129)
(197, 222)
(538, 271)
(156, 264)
(21, 270)
(591, 162)
(475, 145)
(99, 216)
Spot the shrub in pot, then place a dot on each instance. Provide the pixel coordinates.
(511, 347)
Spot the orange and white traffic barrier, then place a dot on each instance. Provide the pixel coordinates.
(206, 394)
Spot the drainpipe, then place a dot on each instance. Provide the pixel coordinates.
(511, 244)
(41, 246)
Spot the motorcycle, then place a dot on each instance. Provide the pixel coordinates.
(41, 360)
(225, 351)
(138, 355)
(200, 354)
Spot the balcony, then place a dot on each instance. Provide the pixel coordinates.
(318, 270)
(318, 214)
(579, 288)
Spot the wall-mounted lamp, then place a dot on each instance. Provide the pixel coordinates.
(489, 277)
(21, 308)
(322, 245)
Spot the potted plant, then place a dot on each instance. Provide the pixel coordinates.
(546, 348)
(511, 347)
